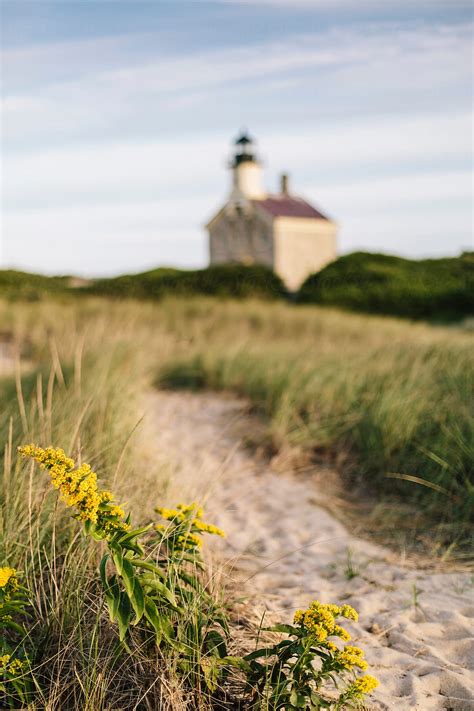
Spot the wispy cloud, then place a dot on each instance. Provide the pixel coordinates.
(373, 59)
(120, 140)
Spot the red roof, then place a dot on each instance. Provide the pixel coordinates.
(289, 206)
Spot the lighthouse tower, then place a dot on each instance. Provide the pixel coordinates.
(246, 170)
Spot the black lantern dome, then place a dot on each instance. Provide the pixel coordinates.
(244, 149)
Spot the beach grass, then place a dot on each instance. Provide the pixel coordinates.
(388, 398)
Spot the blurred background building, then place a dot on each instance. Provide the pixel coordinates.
(281, 231)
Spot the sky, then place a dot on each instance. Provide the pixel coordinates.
(118, 118)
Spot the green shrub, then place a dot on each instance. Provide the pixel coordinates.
(439, 289)
(226, 280)
(31, 287)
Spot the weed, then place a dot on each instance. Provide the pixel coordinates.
(350, 571)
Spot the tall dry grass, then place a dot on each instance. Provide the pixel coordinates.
(391, 395)
(78, 374)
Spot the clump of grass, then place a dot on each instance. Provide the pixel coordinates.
(350, 571)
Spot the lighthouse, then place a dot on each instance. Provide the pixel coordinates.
(280, 230)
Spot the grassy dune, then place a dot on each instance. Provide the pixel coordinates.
(393, 395)
(438, 290)
(435, 289)
(390, 396)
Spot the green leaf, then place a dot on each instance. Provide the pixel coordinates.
(151, 613)
(215, 644)
(318, 701)
(123, 615)
(111, 589)
(128, 576)
(298, 699)
(113, 599)
(148, 566)
(134, 534)
(210, 672)
(288, 629)
(138, 601)
(117, 556)
(164, 592)
(10, 624)
(96, 535)
(102, 570)
(237, 662)
(264, 652)
(160, 624)
(135, 547)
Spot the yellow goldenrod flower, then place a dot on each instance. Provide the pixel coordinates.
(78, 488)
(192, 508)
(318, 632)
(110, 526)
(6, 575)
(349, 613)
(352, 657)
(170, 514)
(188, 541)
(116, 511)
(342, 633)
(318, 616)
(354, 650)
(4, 659)
(208, 528)
(15, 667)
(363, 685)
(321, 616)
(298, 619)
(188, 516)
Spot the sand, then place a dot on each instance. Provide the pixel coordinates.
(416, 626)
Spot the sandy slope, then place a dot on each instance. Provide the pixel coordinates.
(292, 551)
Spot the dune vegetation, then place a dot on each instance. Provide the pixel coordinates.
(391, 399)
(387, 400)
(436, 289)
(439, 290)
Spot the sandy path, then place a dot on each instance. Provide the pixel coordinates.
(292, 551)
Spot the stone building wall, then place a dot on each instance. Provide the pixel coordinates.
(240, 235)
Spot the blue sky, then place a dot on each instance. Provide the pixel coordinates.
(118, 117)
